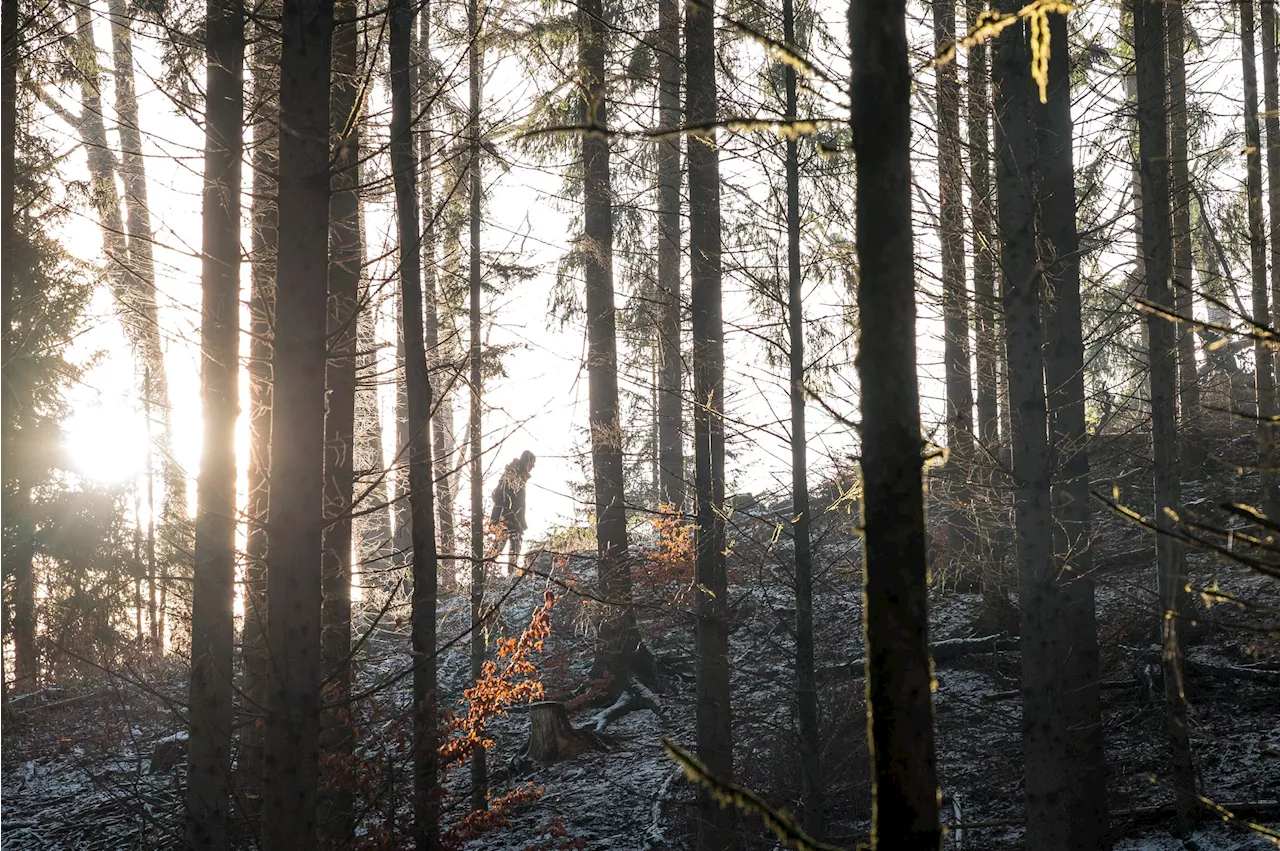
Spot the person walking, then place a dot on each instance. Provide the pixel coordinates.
(508, 519)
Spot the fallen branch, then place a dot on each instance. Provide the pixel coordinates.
(941, 651)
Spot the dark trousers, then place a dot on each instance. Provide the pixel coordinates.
(508, 532)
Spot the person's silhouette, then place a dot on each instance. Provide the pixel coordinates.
(507, 518)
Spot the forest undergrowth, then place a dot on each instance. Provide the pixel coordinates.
(99, 766)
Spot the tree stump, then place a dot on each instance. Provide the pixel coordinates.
(551, 736)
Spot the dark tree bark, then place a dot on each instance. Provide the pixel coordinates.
(904, 781)
(1264, 376)
(806, 684)
(716, 825)
(418, 384)
(1153, 151)
(345, 258)
(671, 484)
(297, 437)
(983, 240)
(479, 773)
(1042, 726)
(1183, 268)
(9, 53)
(996, 610)
(209, 707)
(21, 565)
(955, 298)
(264, 64)
(441, 391)
(1271, 101)
(134, 294)
(1081, 708)
(620, 653)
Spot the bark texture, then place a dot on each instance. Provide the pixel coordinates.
(297, 438)
(209, 705)
(904, 790)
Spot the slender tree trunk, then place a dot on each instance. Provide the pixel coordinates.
(1042, 726)
(264, 65)
(1183, 268)
(1081, 706)
(134, 294)
(209, 708)
(1149, 48)
(441, 392)
(1264, 376)
(806, 684)
(716, 824)
(955, 298)
(1271, 105)
(153, 583)
(345, 257)
(418, 381)
(671, 485)
(21, 565)
(297, 437)
(988, 342)
(9, 51)
(904, 784)
(479, 774)
(620, 647)
(996, 611)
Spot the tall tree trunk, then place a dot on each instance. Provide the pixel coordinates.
(1081, 706)
(479, 774)
(955, 298)
(297, 435)
(620, 648)
(983, 240)
(1183, 268)
(671, 485)
(345, 257)
(1149, 49)
(996, 611)
(134, 294)
(9, 53)
(418, 385)
(716, 824)
(1271, 101)
(441, 392)
(904, 783)
(806, 683)
(1042, 726)
(209, 708)
(1264, 376)
(264, 64)
(21, 566)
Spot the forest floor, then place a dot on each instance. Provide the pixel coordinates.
(78, 767)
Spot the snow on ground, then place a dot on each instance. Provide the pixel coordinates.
(78, 775)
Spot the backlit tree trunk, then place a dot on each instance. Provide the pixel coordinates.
(671, 485)
(716, 827)
(264, 64)
(345, 256)
(955, 298)
(209, 706)
(479, 773)
(418, 385)
(1081, 707)
(1042, 725)
(806, 684)
(9, 51)
(297, 437)
(1183, 268)
(904, 785)
(1153, 144)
